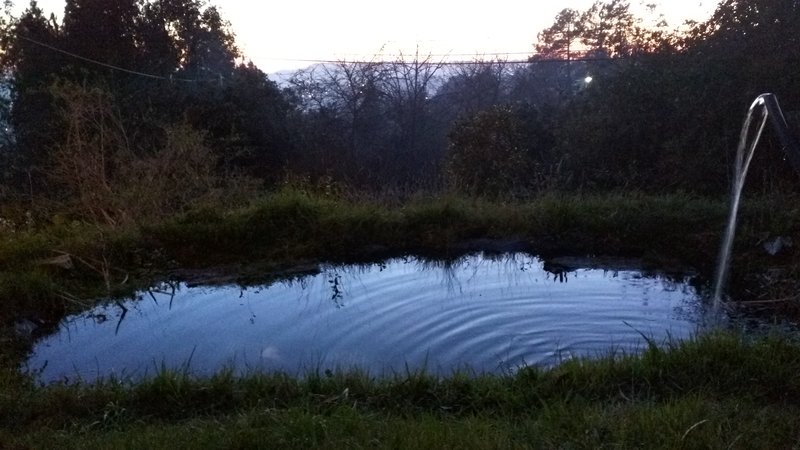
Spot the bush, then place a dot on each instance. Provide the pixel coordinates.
(501, 150)
(105, 178)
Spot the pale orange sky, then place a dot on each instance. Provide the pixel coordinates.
(286, 35)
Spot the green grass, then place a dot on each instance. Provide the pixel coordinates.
(644, 425)
(292, 227)
(721, 391)
(718, 391)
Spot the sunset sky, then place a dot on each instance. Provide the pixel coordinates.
(292, 34)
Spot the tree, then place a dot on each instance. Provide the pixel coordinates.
(562, 39)
(377, 113)
(28, 73)
(608, 28)
(111, 22)
(746, 48)
(162, 61)
(408, 88)
(345, 100)
(250, 118)
(473, 87)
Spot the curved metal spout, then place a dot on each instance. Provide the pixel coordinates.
(788, 140)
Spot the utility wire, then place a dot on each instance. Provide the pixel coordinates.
(110, 66)
(460, 63)
(326, 61)
(534, 58)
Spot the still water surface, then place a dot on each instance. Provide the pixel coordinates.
(485, 314)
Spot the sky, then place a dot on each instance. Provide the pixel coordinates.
(290, 35)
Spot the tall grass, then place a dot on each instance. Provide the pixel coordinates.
(716, 391)
(322, 227)
(292, 226)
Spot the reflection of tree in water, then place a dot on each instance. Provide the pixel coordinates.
(559, 272)
(166, 288)
(508, 265)
(561, 277)
(453, 271)
(457, 272)
(448, 268)
(335, 282)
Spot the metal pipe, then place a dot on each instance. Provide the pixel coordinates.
(788, 140)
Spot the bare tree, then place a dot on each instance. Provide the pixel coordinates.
(379, 110)
(476, 86)
(343, 100)
(408, 86)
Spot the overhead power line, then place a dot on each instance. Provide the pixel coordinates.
(443, 59)
(441, 62)
(455, 63)
(111, 66)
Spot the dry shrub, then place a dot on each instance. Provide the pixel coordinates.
(171, 179)
(92, 146)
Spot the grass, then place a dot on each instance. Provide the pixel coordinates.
(721, 391)
(666, 426)
(282, 228)
(718, 391)
(289, 227)
(292, 227)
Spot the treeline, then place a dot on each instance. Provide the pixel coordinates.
(148, 103)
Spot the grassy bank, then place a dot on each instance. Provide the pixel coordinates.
(716, 392)
(57, 267)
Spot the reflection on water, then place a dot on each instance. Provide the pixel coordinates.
(487, 314)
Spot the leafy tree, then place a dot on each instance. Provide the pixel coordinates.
(163, 62)
(746, 48)
(609, 28)
(604, 28)
(249, 121)
(110, 22)
(668, 114)
(29, 71)
(562, 39)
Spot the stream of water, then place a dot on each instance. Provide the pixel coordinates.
(744, 155)
(767, 106)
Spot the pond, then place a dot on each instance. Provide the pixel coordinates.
(481, 313)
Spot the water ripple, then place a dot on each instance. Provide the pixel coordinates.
(488, 314)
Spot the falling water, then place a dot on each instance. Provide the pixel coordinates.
(767, 105)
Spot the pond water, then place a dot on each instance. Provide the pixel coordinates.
(479, 313)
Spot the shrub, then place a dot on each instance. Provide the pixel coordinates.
(500, 150)
(104, 177)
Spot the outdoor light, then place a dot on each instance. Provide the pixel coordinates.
(588, 79)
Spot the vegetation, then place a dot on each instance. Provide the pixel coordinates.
(662, 111)
(718, 391)
(55, 268)
(134, 144)
(294, 226)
